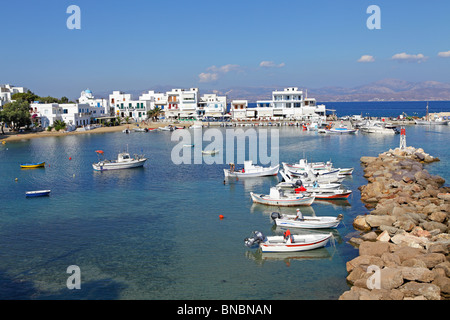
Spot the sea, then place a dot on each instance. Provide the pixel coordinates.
(155, 233)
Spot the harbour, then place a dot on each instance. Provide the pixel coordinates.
(154, 232)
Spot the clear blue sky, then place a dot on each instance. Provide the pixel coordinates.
(140, 44)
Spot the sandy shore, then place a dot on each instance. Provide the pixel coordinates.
(31, 135)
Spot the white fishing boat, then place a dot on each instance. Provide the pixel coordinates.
(210, 152)
(251, 170)
(315, 167)
(315, 187)
(167, 128)
(342, 130)
(277, 197)
(288, 242)
(428, 121)
(305, 222)
(378, 127)
(124, 161)
(311, 178)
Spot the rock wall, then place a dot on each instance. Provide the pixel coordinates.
(405, 241)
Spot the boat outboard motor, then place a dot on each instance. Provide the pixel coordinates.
(275, 215)
(257, 238)
(299, 183)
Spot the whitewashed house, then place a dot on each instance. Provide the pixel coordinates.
(7, 90)
(238, 109)
(125, 106)
(212, 106)
(291, 104)
(182, 103)
(73, 114)
(101, 106)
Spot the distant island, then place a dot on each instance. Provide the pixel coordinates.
(383, 90)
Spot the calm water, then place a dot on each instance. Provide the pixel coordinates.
(155, 232)
(384, 109)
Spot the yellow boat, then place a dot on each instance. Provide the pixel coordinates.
(32, 165)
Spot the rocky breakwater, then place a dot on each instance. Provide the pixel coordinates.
(404, 246)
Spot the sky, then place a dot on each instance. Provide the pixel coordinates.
(214, 45)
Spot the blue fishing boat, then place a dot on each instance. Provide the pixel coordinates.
(38, 193)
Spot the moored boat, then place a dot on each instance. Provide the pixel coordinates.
(38, 193)
(288, 242)
(251, 170)
(277, 197)
(342, 130)
(305, 222)
(33, 165)
(124, 161)
(210, 152)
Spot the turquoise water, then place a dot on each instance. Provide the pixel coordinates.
(155, 232)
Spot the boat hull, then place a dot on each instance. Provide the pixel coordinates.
(299, 243)
(272, 171)
(39, 193)
(32, 165)
(331, 196)
(104, 166)
(308, 222)
(282, 202)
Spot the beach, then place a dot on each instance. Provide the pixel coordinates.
(14, 136)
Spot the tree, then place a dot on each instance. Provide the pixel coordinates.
(59, 125)
(154, 113)
(16, 114)
(26, 96)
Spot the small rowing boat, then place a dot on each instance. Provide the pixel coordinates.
(251, 171)
(33, 165)
(305, 222)
(288, 242)
(38, 193)
(278, 198)
(210, 152)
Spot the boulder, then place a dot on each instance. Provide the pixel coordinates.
(391, 278)
(373, 248)
(432, 259)
(428, 290)
(363, 261)
(438, 216)
(376, 221)
(417, 274)
(443, 283)
(444, 196)
(405, 253)
(384, 237)
(360, 223)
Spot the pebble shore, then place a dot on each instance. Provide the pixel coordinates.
(407, 233)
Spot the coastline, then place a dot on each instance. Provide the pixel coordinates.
(406, 237)
(31, 135)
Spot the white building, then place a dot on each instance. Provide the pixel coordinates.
(291, 104)
(73, 114)
(101, 106)
(156, 99)
(238, 109)
(7, 90)
(212, 105)
(125, 106)
(182, 103)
